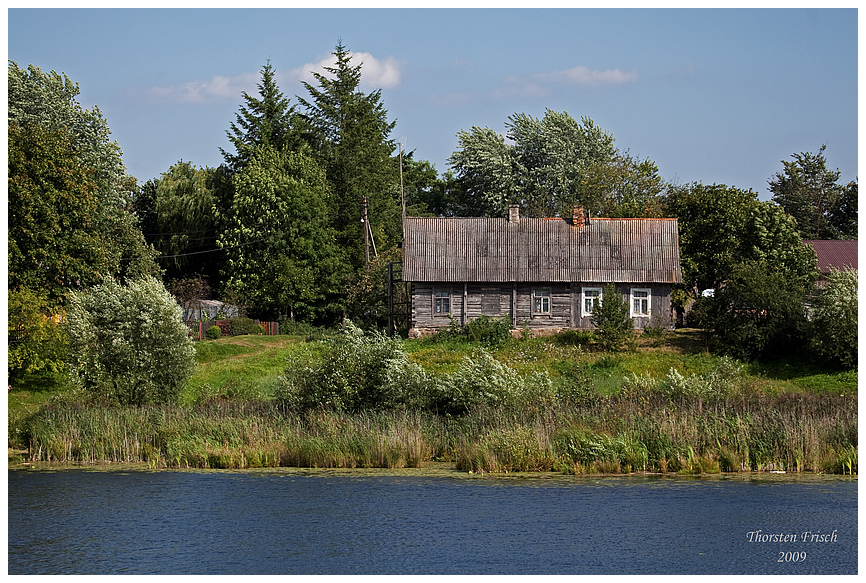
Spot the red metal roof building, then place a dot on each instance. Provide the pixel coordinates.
(834, 254)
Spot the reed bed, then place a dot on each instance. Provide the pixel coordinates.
(227, 435)
(633, 431)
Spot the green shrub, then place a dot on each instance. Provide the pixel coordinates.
(483, 330)
(36, 342)
(241, 326)
(213, 333)
(129, 343)
(576, 337)
(655, 334)
(759, 313)
(308, 331)
(480, 380)
(612, 321)
(725, 378)
(349, 374)
(258, 329)
(489, 331)
(699, 314)
(834, 323)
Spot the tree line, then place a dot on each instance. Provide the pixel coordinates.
(277, 227)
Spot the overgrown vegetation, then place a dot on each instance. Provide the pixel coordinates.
(537, 404)
(483, 329)
(834, 323)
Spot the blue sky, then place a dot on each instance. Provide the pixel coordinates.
(711, 95)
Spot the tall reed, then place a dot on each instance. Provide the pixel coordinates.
(639, 429)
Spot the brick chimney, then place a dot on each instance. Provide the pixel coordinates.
(514, 213)
(577, 219)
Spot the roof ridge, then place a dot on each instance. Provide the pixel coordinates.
(553, 218)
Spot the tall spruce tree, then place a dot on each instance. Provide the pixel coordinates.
(348, 131)
(810, 192)
(265, 120)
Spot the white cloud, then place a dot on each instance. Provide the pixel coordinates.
(541, 84)
(587, 77)
(218, 88)
(375, 74)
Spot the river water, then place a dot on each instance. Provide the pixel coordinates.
(296, 522)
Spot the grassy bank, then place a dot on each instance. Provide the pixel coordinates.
(619, 413)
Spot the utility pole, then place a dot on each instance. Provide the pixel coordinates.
(402, 192)
(366, 223)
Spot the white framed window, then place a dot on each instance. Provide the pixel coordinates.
(441, 302)
(641, 300)
(541, 302)
(590, 298)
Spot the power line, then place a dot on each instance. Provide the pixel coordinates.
(179, 233)
(200, 252)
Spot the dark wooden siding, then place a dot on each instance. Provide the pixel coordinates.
(515, 300)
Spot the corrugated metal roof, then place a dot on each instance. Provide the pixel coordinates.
(539, 250)
(836, 254)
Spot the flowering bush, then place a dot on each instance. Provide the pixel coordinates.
(350, 375)
(834, 322)
(129, 343)
(360, 371)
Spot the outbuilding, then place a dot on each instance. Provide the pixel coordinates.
(544, 273)
(840, 255)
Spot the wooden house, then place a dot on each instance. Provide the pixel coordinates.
(547, 274)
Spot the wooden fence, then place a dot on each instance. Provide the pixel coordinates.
(198, 328)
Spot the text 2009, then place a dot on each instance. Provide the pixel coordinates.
(792, 557)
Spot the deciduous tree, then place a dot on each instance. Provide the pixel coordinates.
(47, 101)
(759, 312)
(280, 252)
(543, 169)
(623, 187)
(722, 226)
(54, 238)
(485, 167)
(553, 154)
(185, 232)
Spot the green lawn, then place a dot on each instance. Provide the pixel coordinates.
(238, 366)
(248, 366)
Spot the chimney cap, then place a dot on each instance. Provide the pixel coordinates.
(577, 216)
